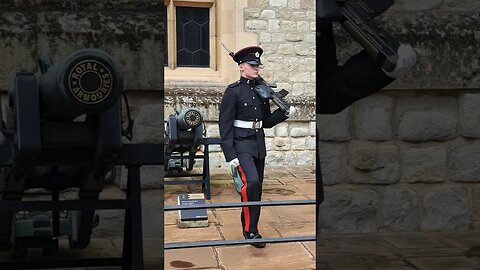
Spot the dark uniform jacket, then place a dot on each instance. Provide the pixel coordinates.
(240, 102)
(339, 86)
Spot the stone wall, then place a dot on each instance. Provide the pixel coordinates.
(129, 30)
(286, 32)
(406, 159)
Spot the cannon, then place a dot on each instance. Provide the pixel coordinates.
(183, 135)
(63, 127)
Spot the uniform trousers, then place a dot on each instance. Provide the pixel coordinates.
(251, 171)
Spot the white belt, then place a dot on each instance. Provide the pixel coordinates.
(247, 124)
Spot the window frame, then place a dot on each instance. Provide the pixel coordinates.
(172, 68)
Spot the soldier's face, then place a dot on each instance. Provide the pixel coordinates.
(249, 71)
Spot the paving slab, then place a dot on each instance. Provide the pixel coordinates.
(174, 234)
(355, 261)
(458, 238)
(274, 256)
(409, 240)
(190, 258)
(354, 243)
(445, 263)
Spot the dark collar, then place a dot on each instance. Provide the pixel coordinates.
(247, 81)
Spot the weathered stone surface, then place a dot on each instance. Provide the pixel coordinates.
(281, 129)
(278, 3)
(446, 209)
(470, 117)
(424, 165)
(476, 204)
(400, 209)
(425, 119)
(256, 25)
(332, 162)
(131, 32)
(282, 143)
(372, 163)
(334, 127)
(297, 143)
(299, 130)
(349, 211)
(447, 41)
(305, 158)
(373, 118)
(149, 124)
(463, 165)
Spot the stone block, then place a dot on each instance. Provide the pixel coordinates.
(265, 37)
(372, 118)
(252, 13)
(278, 37)
(476, 204)
(305, 158)
(312, 129)
(298, 143)
(298, 15)
(302, 49)
(281, 143)
(334, 127)
(303, 27)
(348, 211)
(294, 4)
(281, 129)
(426, 118)
(470, 117)
(269, 132)
(273, 25)
(256, 25)
(288, 26)
(400, 209)
(278, 3)
(268, 14)
(275, 158)
(269, 144)
(332, 162)
(294, 37)
(298, 89)
(299, 130)
(285, 49)
(424, 165)
(371, 163)
(446, 209)
(310, 143)
(149, 125)
(463, 165)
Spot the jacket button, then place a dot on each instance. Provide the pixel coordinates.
(255, 108)
(253, 97)
(245, 104)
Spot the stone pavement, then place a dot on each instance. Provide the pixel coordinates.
(401, 251)
(293, 183)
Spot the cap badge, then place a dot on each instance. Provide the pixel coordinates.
(257, 54)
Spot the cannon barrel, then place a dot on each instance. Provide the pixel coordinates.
(89, 81)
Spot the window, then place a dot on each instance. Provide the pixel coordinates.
(190, 36)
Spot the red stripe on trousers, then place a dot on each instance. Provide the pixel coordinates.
(246, 211)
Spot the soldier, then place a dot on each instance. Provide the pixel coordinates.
(243, 115)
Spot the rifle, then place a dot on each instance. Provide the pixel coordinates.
(265, 91)
(356, 16)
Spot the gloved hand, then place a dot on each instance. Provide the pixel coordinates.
(406, 60)
(291, 111)
(234, 162)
